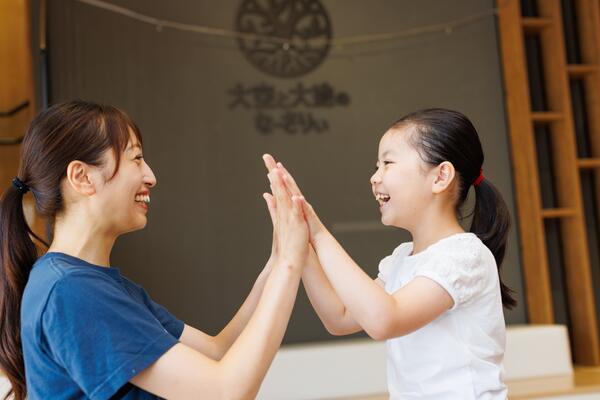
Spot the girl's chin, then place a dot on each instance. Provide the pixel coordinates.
(387, 221)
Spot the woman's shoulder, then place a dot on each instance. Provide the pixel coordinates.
(57, 273)
(55, 267)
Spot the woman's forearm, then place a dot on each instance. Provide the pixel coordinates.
(249, 357)
(232, 330)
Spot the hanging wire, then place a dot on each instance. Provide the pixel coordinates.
(339, 42)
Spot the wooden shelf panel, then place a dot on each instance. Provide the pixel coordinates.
(579, 70)
(548, 213)
(588, 163)
(546, 116)
(535, 24)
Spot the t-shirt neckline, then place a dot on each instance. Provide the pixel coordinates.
(79, 261)
(429, 248)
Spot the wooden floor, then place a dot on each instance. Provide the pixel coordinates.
(585, 380)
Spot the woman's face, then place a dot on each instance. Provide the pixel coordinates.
(122, 202)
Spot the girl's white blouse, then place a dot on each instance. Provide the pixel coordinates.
(458, 355)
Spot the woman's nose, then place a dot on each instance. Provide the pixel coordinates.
(149, 178)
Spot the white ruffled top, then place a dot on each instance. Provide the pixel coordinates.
(459, 354)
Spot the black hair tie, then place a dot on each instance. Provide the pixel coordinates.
(20, 185)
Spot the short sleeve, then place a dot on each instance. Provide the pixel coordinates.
(461, 275)
(386, 264)
(101, 336)
(172, 324)
(385, 267)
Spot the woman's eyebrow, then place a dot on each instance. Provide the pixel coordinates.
(132, 146)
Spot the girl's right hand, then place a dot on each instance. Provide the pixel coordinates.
(290, 229)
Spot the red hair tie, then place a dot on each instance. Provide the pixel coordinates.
(479, 178)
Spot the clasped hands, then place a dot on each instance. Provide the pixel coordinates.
(295, 223)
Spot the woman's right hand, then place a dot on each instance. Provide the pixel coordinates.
(290, 233)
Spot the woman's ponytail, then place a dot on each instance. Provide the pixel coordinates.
(17, 255)
(491, 223)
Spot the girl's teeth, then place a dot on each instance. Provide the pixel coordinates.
(382, 197)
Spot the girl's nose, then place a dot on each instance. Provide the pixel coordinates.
(375, 178)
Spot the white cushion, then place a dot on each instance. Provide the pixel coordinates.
(537, 351)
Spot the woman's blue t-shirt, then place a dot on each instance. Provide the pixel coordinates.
(86, 330)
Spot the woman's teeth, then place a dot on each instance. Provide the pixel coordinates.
(142, 198)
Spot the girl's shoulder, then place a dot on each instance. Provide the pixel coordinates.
(462, 264)
(463, 247)
(402, 250)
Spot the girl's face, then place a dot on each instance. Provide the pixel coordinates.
(123, 200)
(401, 184)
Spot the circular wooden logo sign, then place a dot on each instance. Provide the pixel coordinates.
(303, 30)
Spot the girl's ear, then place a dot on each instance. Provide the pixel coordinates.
(81, 178)
(444, 177)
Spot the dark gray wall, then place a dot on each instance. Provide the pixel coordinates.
(209, 232)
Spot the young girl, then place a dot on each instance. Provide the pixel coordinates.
(72, 326)
(438, 299)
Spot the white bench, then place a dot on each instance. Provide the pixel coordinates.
(537, 363)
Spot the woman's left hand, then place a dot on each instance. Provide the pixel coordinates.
(315, 225)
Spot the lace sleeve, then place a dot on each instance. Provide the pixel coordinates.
(462, 274)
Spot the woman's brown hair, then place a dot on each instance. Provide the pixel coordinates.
(65, 132)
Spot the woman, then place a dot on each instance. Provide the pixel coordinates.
(73, 326)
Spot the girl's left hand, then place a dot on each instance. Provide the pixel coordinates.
(272, 207)
(315, 225)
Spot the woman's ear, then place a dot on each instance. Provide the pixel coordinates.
(445, 174)
(82, 178)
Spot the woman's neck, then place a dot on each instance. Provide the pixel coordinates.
(81, 238)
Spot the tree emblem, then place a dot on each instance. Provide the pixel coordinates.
(301, 26)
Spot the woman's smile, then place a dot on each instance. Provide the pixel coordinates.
(143, 199)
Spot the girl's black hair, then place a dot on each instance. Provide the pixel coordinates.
(445, 135)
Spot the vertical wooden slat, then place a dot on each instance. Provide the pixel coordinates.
(518, 106)
(17, 80)
(588, 14)
(577, 270)
(16, 77)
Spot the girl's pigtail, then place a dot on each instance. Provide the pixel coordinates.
(491, 223)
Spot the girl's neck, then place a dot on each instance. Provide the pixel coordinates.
(82, 239)
(432, 228)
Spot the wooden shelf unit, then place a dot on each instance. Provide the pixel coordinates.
(559, 122)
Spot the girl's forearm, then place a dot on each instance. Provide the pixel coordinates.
(366, 302)
(325, 300)
(250, 356)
